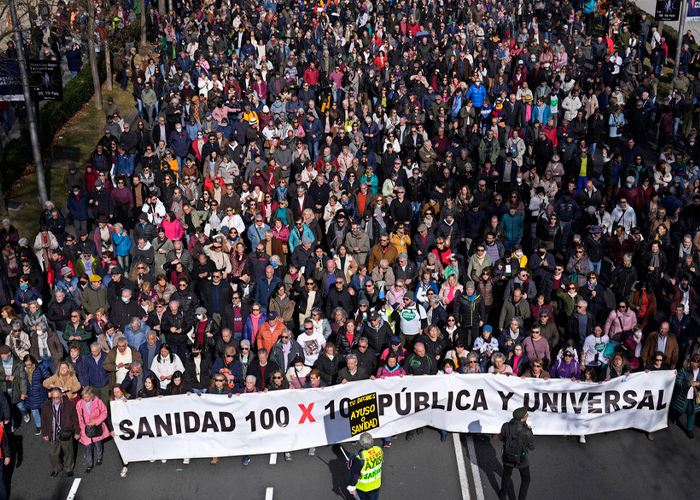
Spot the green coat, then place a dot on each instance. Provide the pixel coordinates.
(94, 299)
(19, 384)
(85, 337)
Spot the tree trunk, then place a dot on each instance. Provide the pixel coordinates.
(161, 7)
(93, 57)
(108, 64)
(143, 23)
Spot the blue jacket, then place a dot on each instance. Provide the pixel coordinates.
(256, 234)
(130, 384)
(36, 393)
(263, 289)
(78, 207)
(143, 351)
(477, 95)
(315, 128)
(513, 226)
(136, 338)
(123, 244)
(124, 165)
(94, 374)
(543, 115)
(73, 60)
(179, 142)
(235, 367)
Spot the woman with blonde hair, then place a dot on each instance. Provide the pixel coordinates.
(66, 380)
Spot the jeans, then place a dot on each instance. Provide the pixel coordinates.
(565, 230)
(368, 495)
(98, 451)
(22, 405)
(689, 409)
(507, 482)
(123, 261)
(581, 183)
(676, 122)
(48, 363)
(199, 391)
(181, 351)
(595, 266)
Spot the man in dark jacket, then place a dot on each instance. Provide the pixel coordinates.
(94, 373)
(470, 311)
(517, 427)
(133, 382)
(419, 363)
(339, 296)
(57, 417)
(262, 368)
(286, 343)
(122, 311)
(176, 325)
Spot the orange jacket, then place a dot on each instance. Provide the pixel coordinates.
(267, 337)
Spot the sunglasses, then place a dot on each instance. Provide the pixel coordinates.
(245, 348)
(568, 355)
(537, 366)
(658, 360)
(277, 378)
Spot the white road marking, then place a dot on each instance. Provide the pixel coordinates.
(273, 458)
(73, 489)
(268, 494)
(478, 487)
(461, 468)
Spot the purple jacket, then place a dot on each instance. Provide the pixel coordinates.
(561, 370)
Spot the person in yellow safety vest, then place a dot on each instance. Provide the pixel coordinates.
(366, 469)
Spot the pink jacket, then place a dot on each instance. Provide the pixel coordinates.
(618, 322)
(173, 230)
(98, 413)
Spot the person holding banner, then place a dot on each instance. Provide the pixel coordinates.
(687, 395)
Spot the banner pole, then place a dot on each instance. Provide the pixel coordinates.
(679, 43)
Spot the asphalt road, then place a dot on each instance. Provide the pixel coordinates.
(624, 464)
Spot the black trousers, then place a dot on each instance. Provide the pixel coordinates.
(507, 482)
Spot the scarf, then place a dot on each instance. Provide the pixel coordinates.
(56, 420)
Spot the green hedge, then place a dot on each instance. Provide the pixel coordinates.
(52, 116)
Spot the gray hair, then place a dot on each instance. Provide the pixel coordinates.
(351, 357)
(42, 325)
(136, 364)
(245, 343)
(471, 355)
(582, 303)
(366, 441)
(403, 255)
(95, 344)
(251, 377)
(434, 299)
(152, 332)
(498, 355)
(87, 391)
(345, 314)
(122, 341)
(262, 351)
(118, 226)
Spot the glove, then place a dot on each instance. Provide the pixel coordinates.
(352, 489)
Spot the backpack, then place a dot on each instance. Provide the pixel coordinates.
(513, 447)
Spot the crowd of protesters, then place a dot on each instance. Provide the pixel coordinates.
(318, 193)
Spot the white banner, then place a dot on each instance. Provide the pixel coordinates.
(194, 426)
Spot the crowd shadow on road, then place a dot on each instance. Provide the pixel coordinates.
(487, 459)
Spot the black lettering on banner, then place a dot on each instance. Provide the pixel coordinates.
(563, 402)
(163, 425)
(505, 398)
(209, 422)
(385, 401)
(535, 405)
(422, 399)
(550, 401)
(178, 424)
(251, 418)
(127, 432)
(463, 394)
(343, 408)
(629, 397)
(660, 405)
(144, 428)
(282, 416)
(594, 399)
(450, 400)
(480, 400)
(266, 419)
(227, 422)
(407, 398)
(436, 402)
(647, 401)
(191, 421)
(577, 404)
(331, 408)
(611, 400)
(364, 415)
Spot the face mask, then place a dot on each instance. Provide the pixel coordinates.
(273, 264)
(519, 180)
(24, 287)
(629, 185)
(518, 254)
(125, 299)
(448, 369)
(76, 193)
(178, 130)
(258, 253)
(200, 317)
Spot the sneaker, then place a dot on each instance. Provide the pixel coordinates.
(186, 461)
(37, 432)
(26, 418)
(312, 452)
(387, 444)
(152, 460)
(650, 436)
(125, 469)
(246, 460)
(443, 438)
(214, 461)
(288, 457)
(163, 460)
(582, 439)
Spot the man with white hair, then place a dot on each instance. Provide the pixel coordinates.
(366, 469)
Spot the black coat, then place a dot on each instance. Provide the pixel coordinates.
(329, 368)
(255, 370)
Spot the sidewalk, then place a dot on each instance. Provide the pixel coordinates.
(650, 7)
